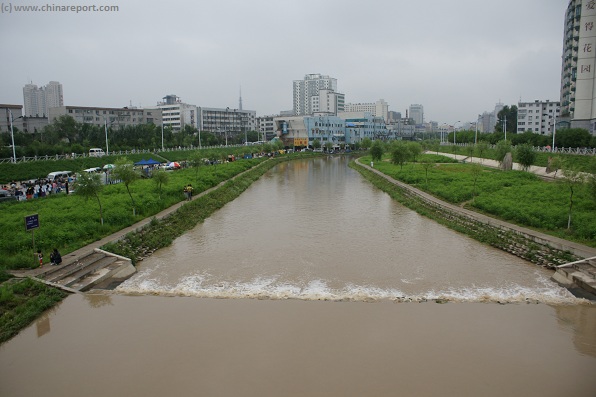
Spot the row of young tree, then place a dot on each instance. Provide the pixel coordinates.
(64, 135)
(564, 138)
(402, 152)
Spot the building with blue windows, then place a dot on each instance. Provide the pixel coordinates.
(348, 128)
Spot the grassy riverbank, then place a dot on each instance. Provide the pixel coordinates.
(513, 196)
(71, 222)
(21, 302)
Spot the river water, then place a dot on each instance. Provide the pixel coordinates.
(345, 282)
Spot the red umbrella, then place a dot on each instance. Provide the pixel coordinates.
(174, 164)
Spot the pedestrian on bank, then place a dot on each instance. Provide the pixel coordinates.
(189, 192)
(40, 258)
(55, 257)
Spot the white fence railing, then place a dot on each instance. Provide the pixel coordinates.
(541, 149)
(25, 159)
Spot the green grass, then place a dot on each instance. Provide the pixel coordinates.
(21, 302)
(71, 222)
(515, 196)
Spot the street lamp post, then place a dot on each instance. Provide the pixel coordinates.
(162, 149)
(552, 149)
(454, 131)
(476, 136)
(14, 155)
(505, 127)
(106, 129)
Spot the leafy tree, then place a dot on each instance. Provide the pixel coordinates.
(573, 179)
(426, 165)
(415, 150)
(328, 146)
(89, 185)
(376, 151)
(160, 177)
(555, 164)
(476, 171)
(481, 149)
(509, 114)
(572, 137)
(501, 150)
(400, 154)
(124, 170)
(525, 155)
(366, 143)
(316, 144)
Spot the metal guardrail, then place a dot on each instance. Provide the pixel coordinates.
(25, 159)
(540, 149)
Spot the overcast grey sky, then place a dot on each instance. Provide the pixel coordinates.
(457, 58)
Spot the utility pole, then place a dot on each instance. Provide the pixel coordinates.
(505, 127)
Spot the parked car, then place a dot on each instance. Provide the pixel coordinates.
(52, 176)
(6, 196)
(96, 152)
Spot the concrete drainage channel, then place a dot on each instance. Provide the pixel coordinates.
(98, 268)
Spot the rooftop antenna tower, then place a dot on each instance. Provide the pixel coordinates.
(240, 100)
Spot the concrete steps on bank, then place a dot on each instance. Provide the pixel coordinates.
(580, 274)
(88, 270)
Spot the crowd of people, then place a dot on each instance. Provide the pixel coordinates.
(27, 190)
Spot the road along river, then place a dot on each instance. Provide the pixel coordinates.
(346, 281)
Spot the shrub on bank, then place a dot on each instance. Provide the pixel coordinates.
(515, 196)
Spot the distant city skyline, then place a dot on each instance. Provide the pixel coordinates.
(456, 58)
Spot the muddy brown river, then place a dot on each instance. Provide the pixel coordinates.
(314, 283)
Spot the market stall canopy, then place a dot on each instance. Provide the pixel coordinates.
(148, 162)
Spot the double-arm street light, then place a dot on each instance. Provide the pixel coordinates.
(454, 131)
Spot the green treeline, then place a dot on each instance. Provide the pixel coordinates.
(64, 136)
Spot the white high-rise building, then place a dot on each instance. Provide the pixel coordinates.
(176, 114)
(417, 114)
(34, 100)
(38, 100)
(578, 70)
(377, 109)
(317, 93)
(54, 95)
(538, 116)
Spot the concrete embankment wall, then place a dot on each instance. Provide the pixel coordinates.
(525, 243)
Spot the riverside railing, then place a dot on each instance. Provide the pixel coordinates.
(541, 149)
(25, 159)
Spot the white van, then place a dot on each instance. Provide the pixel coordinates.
(52, 176)
(96, 152)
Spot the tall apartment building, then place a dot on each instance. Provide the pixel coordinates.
(377, 109)
(114, 117)
(176, 114)
(538, 116)
(317, 94)
(38, 100)
(417, 114)
(227, 122)
(578, 75)
(266, 127)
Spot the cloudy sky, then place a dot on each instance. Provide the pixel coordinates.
(457, 58)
